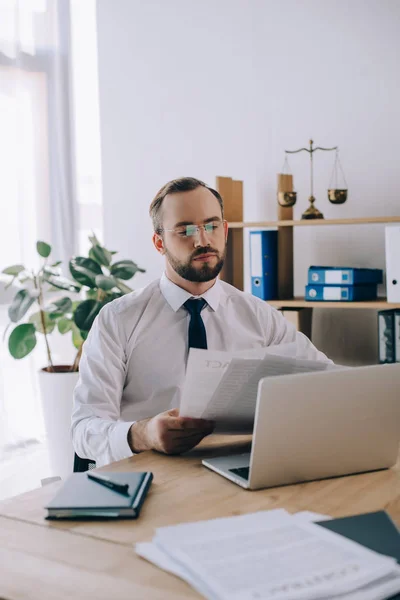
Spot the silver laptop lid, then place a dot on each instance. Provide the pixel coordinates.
(315, 425)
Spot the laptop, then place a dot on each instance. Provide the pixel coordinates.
(316, 425)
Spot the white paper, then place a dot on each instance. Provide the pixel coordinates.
(161, 559)
(271, 554)
(310, 517)
(222, 386)
(204, 371)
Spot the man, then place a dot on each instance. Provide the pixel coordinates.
(133, 364)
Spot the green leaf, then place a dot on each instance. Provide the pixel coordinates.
(125, 289)
(57, 264)
(93, 240)
(61, 306)
(84, 270)
(77, 339)
(22, 340)
(91, 294)
(51, 270)
(62, 283)
(13, 270)
(86, 313)
(37, 322)
(100, 255)
(105, 283)
(75, 304)
(125, 269)
(20, 305)
(64, 325)
(43, 249)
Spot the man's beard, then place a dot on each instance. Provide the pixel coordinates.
(190, 273)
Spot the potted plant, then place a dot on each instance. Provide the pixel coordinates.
(95, 281)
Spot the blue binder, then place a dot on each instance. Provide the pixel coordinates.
(340, 293)
(345, 275)
(264, 264)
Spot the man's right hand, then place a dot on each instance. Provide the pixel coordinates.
(168, 433)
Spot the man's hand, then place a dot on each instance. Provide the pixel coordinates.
(168, 433)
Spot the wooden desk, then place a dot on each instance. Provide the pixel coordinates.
(50, 560)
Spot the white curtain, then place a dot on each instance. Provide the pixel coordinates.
(37, 187)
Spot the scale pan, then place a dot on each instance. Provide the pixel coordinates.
(337, 196)
(287, 198)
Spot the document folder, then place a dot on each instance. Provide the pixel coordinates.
(345, 275)
(389, 336)
(344, 293)
(392, 254)
(264, 264)
(374, 530)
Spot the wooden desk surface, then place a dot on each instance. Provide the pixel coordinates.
(49, 559)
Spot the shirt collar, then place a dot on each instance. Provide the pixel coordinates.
(177, 296)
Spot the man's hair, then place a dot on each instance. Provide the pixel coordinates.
(184, 184)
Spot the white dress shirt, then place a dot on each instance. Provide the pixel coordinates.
(134, 359)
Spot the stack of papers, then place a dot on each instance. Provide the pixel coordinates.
(222, 386)
(271, 555)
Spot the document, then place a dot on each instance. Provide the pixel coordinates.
(204, 372)
(271, 555)
(222, 386)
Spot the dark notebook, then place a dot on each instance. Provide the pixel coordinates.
(375, 531)
(81, 497)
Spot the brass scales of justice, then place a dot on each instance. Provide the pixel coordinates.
(336, 194)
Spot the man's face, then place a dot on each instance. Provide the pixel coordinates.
(197, 257)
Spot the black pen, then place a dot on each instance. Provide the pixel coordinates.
(121, 488)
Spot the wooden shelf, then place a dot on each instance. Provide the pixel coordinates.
(380, 304)
(315, 222)
(232, 193)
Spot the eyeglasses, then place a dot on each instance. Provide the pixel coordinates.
(189, 231)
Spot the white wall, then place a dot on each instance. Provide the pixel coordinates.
(222, 87)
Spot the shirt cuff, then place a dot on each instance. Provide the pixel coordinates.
(119, 440)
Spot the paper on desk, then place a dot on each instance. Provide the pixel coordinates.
(156, 555)
(271, 555)
(222, 386)
(310, 517)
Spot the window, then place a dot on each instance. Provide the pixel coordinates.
(50, 184)
(86, 121)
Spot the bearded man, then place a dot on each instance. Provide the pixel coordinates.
(134, 360)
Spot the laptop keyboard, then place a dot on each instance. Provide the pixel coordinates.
(243, 472)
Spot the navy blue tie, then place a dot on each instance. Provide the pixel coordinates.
(197, 331)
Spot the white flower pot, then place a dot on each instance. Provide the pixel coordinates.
(56, 391)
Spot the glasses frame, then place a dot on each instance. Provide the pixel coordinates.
(197, 229)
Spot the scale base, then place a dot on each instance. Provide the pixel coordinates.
(312, 212)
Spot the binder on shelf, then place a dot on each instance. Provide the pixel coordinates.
(392, 255)
(397, 335)
(344, 293)
(386, 336)
(345, 275)
(264, 264)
